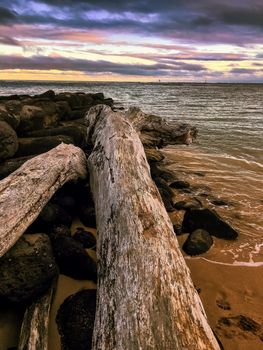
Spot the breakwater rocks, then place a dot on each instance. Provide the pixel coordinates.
(32, 125)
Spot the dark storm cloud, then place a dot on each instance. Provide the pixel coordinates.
(7, 16)
(206, 20)
(87, 66)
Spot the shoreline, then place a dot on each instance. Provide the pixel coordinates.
(210, 282)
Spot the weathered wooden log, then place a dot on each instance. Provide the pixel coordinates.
(146, 299)
(34, 330)
(155, 131)
(25, 192)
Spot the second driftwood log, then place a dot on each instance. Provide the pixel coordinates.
(146, 298)
(25, 192)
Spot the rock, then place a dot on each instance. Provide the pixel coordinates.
(87, 215)
(167, 199)
(242, 322)
(75, 320)
(153, 155)
(219, 202)
(86, 238)
(9, 118)
(208, 220)
(38, 145)
(38, 115)
(78, 133)
(198, 242)
(72, 258)
(8, 141)
(51, 215)
(10, 165)
(186, 205)
(161, 184)
(177, 229)
(66, 202)
(63, 109)
(50, 94)
(178, 184)
(27, 270)
(61, 230)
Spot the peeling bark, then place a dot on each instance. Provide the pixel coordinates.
(25, 192)
(146, 299)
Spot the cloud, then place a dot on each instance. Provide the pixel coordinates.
(7, 40)
(91, 67)
(7, 15)
(243, 71)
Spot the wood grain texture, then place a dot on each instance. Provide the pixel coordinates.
(34, 330)
(146, 299)
(25, 192)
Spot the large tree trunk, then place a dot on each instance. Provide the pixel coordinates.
(25, 192)
(146, 299)
(34, 330)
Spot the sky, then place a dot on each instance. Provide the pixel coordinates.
(123, 40)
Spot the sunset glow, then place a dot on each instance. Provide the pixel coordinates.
(131, 41)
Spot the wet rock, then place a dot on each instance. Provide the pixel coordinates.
(208, 220)
(167, 199)
(161, 184)
(186, 205)
(9, 118)
(27, 270)
(153, 155)
(63, 109)
(177, 230)
(61, 230)
(10, 165)
(8, 141)
(198, 242)
(75, 320)
(178, 184)
(38, 145)
(78, 133)
(38, 115)
(51, 215)
(72, 259)
(219, 202)
(86, 238)
(49, 94)
(65, 201)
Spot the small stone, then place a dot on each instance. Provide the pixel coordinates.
(86, 238)
(198, 242)
(180, 184)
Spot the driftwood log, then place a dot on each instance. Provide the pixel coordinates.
(25, 192)
(34, 330)
(155, 131)
(146, 299)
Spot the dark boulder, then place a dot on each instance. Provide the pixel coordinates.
(10, 165)
(72, 258)
(167, 199)
(51, 215)
(178, 184)
(8, 117)
(38, 145)
(78, 133)
(186, 205)
(50, 94)
(86, 238)
(198, 242)
(75, 320)
(8, 141)
(208, 220)
(38, 115)
(27, 269)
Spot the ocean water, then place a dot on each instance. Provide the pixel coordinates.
(227, 156)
